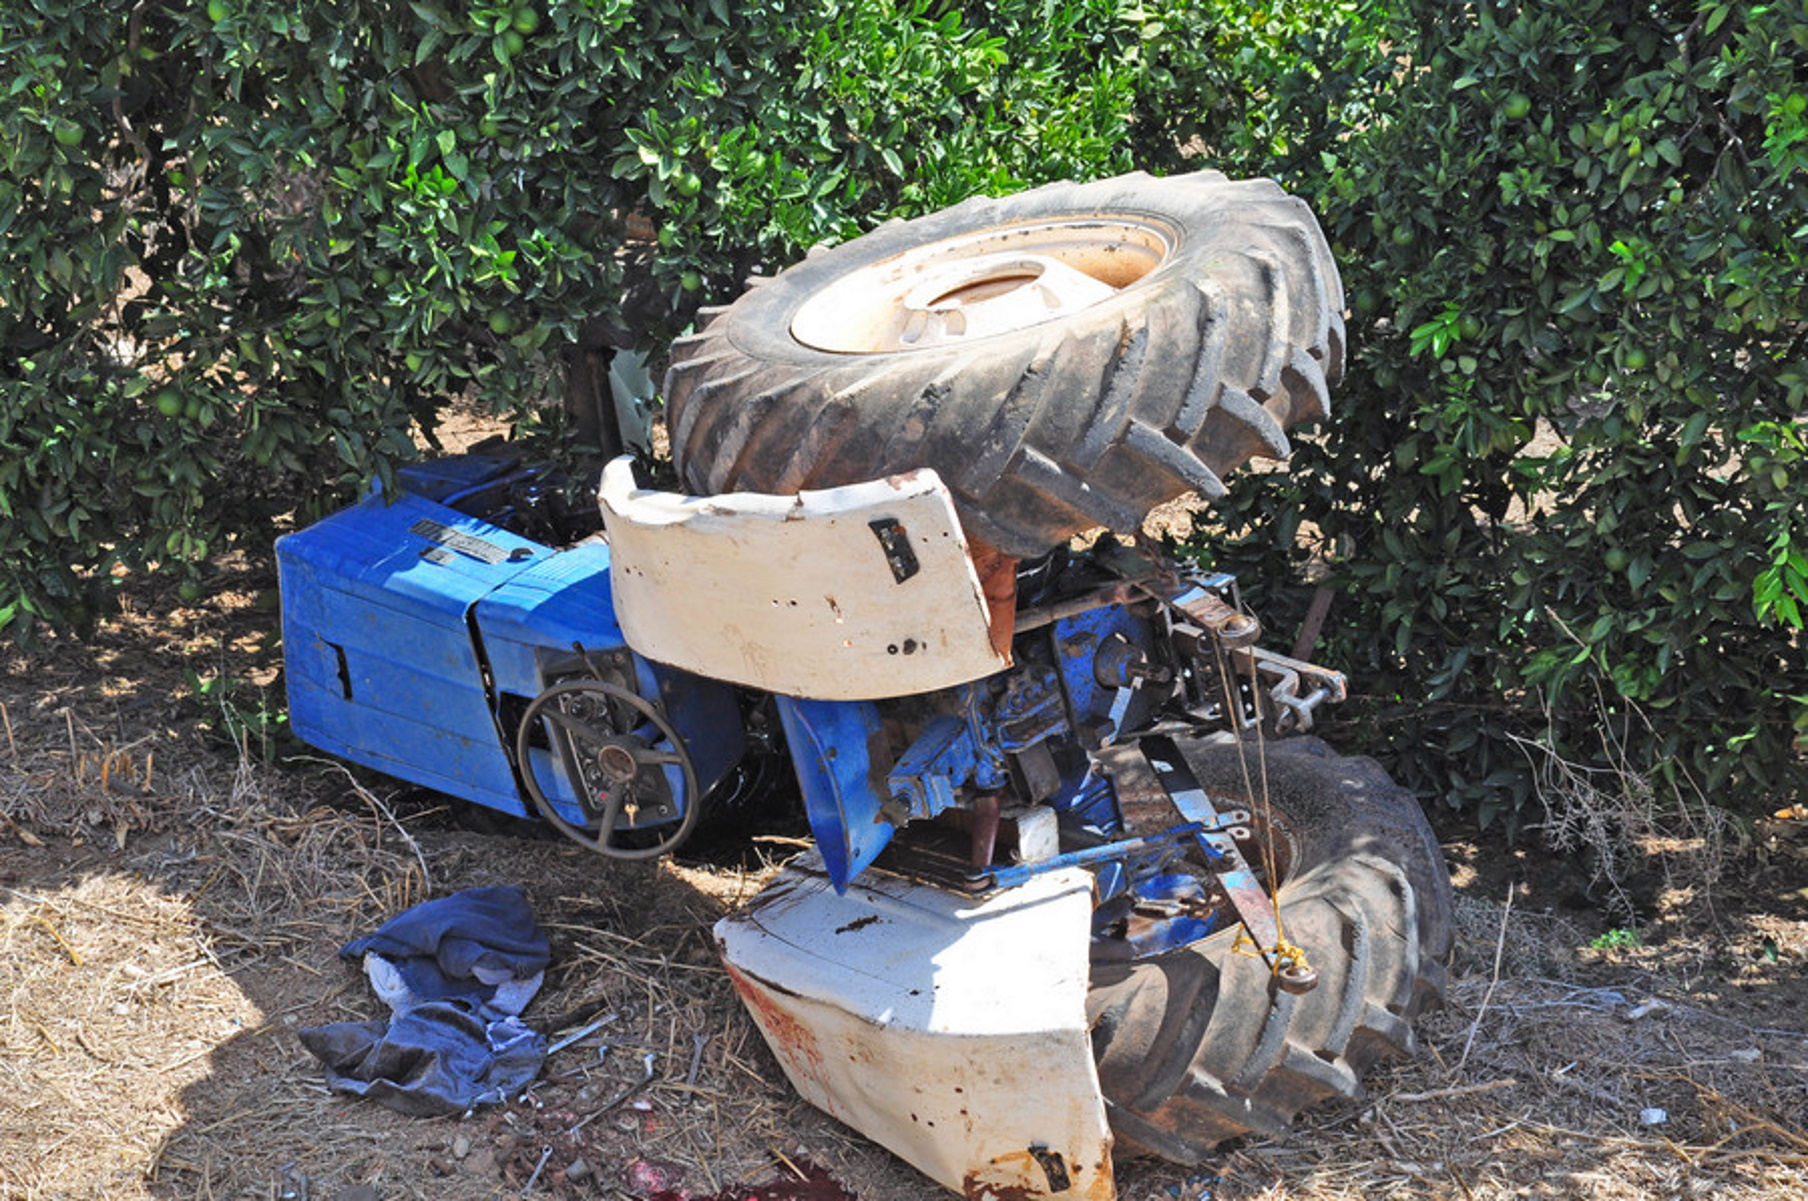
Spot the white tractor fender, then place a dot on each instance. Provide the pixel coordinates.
(850, 593)
(951, 1030)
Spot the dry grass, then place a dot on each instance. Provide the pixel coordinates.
(1626, 825)
(170, 912)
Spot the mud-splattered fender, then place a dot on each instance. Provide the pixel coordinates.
(950, 1029)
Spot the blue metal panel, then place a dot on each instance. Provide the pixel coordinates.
(1092, 704)
(557, 602)
(1089, 799)
(381, 667)
(829, 741)
(707, 713)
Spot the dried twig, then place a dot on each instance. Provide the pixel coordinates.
(786, 1160)
(1500, 945)
(699, 1041)
(1461, 1090)
(1562, 1078)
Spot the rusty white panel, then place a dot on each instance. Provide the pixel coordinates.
(948, 1029)
(851, 593)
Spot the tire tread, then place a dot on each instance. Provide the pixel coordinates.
(1369, 899)
(1091, 419)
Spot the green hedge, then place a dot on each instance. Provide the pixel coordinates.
(249, 252)
(1564, 497)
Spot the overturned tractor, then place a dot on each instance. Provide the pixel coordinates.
(1081, 875)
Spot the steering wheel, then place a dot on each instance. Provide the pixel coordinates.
(609, 764)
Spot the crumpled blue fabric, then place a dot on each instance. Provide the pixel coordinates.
(462, 946)
(441, 1057)
(455, 973)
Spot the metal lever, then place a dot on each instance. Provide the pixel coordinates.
(1254, 907)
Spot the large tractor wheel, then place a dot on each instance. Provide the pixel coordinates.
(1201, 1044)
(1065, 358)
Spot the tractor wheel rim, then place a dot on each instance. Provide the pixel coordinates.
(992, 281)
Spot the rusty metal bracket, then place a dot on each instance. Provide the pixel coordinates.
(1228, 627)
(1199, 599)
(1295, 689)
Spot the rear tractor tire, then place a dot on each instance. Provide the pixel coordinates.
(1065, 358)
(1200, 1044)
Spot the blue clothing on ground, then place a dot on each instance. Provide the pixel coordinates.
(461, 946)
(455, 972)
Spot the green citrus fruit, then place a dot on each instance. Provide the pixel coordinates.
(1634, 358)
(501, 323)
(688, 184)
(67, 133)
(489, 127)
(690, 281)
(1516, 106)
(169, 402)
(1617, 558)
(191, 409)
(217, 11)
(190, 592)
(513, 43)
(1470, 327)
(382, 277)
(526, 20)
(1403, 235)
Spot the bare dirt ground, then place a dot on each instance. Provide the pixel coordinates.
(170, 909)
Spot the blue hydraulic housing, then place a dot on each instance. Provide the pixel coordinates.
(416, 633)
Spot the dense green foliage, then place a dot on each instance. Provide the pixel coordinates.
(250, 250)
(1566, 487)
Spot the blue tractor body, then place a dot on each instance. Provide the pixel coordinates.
(417, 631)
